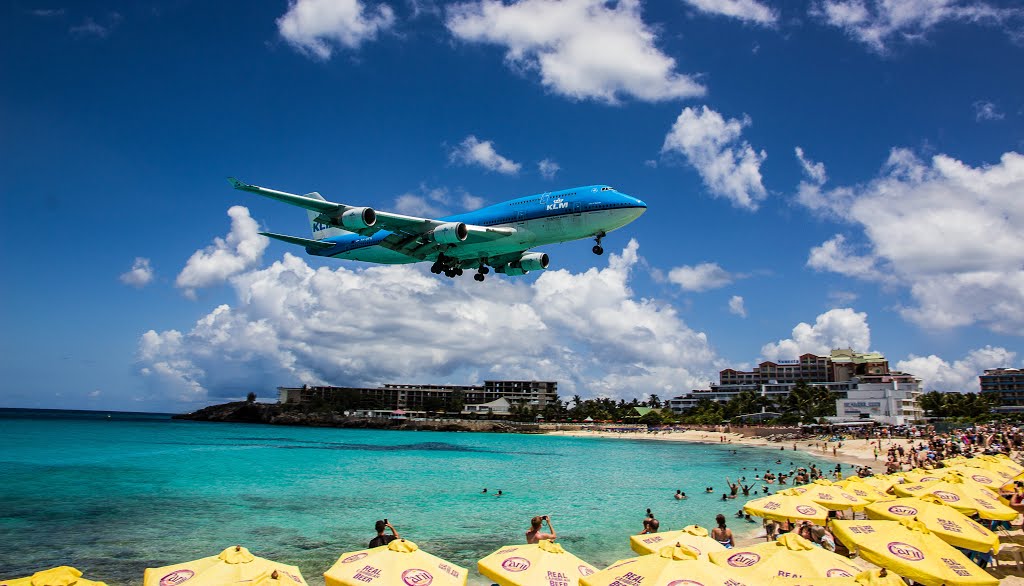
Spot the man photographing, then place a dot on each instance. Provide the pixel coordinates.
(382, 539)
(534, 535)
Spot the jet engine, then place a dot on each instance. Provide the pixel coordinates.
(357, 219)
(531, 261)
(450, 233)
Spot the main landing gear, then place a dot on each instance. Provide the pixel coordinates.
(598, 250)
(452, 270)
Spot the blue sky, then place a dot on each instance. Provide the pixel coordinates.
(821, 174)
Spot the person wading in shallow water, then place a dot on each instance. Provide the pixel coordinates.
(534, 535)
(382, 539)
(722, 534)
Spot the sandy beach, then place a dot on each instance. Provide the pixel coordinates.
(857, 452)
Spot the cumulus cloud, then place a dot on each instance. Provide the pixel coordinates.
(946, 231)
(701, 277)
(241, 250)
(736, 306)
(836, 328)
(140, 275)
(729, 167)
(292, 324)
(582, 49)
(959, 376)
(837, 256)
(435, 202)
(985, 110)
(317, 27)
(548, 168)
(877, 22)
(745, 10)
(473, 151)
(813, 171)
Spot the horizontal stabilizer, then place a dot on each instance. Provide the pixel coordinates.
(300, 241)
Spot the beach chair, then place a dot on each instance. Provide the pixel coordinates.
(1009, 553)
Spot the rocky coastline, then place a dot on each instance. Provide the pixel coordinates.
(276, 414)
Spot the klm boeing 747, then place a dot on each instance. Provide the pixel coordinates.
(498, 236)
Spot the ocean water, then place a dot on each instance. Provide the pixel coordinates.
(115, 495)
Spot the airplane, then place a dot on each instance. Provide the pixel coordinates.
(499, 236)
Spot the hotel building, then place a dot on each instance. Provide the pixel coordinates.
(1005, 383)
(537, 394)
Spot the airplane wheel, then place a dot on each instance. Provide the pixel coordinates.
(484, 270)
(458, 272)
(598, 250)
(435, 269)
(479, 277)
(449, 273)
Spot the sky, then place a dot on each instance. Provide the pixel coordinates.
(822, 174)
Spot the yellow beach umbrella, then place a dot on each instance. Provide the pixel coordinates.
(671, 566)
(907, 547)
(963, 495)
(231, 566)
(790, 556)
(59, 576)
(1002, 460)
(987, 478)
(949, 524)
(921, 475)
(878, 577)
(882, 482)
(857, 487)
(530, 565)
(692, 536)
(999, 467)
(786, 505)
(830, 496)
(399, 562)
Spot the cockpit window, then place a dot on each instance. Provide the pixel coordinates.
(607, 189)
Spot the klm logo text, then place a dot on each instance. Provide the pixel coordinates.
(558, 204)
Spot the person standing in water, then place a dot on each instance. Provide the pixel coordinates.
(722, 534)
(534, 535)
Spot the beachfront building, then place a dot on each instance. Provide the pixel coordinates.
(862, 382)
(892, 399)
(537, 394)
(1005, 383)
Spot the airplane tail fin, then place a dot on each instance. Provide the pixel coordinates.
(320, 230)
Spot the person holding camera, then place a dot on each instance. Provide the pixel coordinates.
(534, 535)
(382, 539)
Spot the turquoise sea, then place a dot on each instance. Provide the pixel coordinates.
(114, 493)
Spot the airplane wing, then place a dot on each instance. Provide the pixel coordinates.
(410, 235)
(300, 241)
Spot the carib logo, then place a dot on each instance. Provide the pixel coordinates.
(417, 577)
(176, 577)
(516, 564)
(905, 551)
(806, 510)
(903, 510)
(744, 559)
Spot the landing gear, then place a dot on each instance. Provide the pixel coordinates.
(479, 277)
(483, 270)
(597, 249)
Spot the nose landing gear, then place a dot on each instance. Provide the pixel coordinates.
(598, 249)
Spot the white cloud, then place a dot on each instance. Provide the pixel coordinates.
(583, 49)
(948, 232)
(473, 151)
(548, 168)
(91, 28)
(701, 277)
(959, 376)
(729, 168)
(814, 171)
(292, 324)
(836, 328)
(984, 110)
(745, 10)
(470, 201)
(877, 22)
(434, 202)
(241, 250)
(140, 275)
(837, 256)
(317, 27)
(736, 306)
